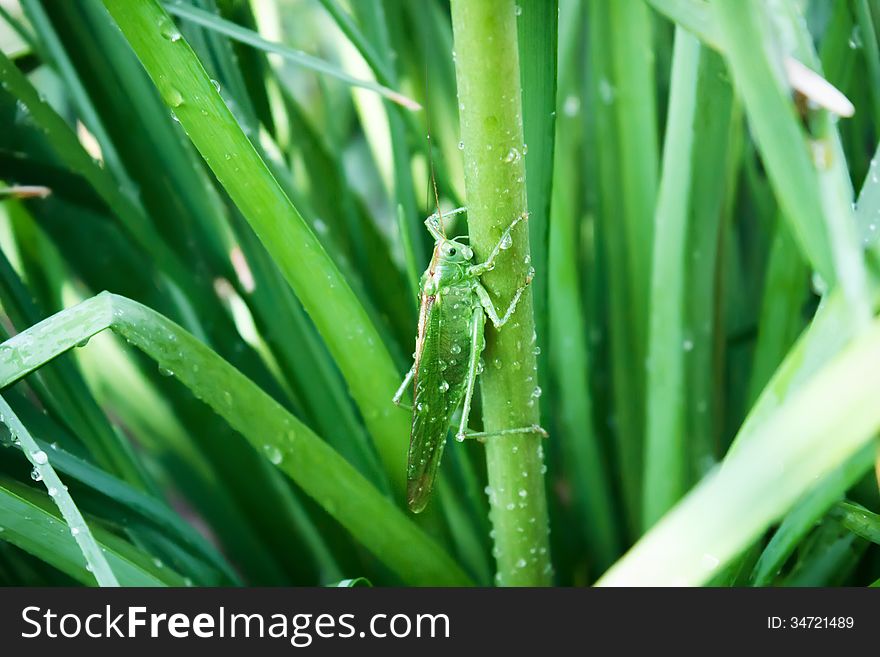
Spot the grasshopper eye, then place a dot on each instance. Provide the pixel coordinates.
(452, 251)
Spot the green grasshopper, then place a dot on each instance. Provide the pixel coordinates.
(452, 315)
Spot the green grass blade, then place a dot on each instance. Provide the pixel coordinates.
(97, 562)
(30, 521)
(871, 53)
(145, 507)
(488, 75)
(69, 398)
(859, 520)
(666, 456)
(755, 486)
(583, 463)
(251, 38)
(335, 485)
(807, 173)
(355, 344)
(781, 320)
(693, 15)
(803, 518)
(538, 34)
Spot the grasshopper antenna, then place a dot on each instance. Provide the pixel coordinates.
(431, 154)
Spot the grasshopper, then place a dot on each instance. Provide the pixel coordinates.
(452, 315)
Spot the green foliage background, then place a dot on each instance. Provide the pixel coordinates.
(209, 313)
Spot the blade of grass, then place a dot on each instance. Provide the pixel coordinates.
(781, 321)
(68, 399)
(487, 70)
(621, 100)
(95, 559)
(859, 520)
(693, 15)
(251, 38)
(808, 173)
(666, 451)
(285, 441)
(31, 522)
(354, 341)
(537, 28)
(871, 53)
(803, 517)
(148, 508)
(732, 506)
(583, 463)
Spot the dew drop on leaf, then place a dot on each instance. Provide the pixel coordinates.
(273, 454)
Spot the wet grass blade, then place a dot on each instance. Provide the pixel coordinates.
(45, 472)
(284, 440)
(31, 522)
(748, 487)
(251, 38)
(355, 344)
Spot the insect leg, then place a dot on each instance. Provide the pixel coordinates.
(486, 301)
(473, 369)
(433, 222)
(489, 264)
(482, 435)
(406, 381)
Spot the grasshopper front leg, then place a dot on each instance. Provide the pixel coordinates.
(503, 243)
(489, 307)
(432, 223)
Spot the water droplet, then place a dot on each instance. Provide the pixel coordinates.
(273, 454)
(83, 343)
(158, 563)
(174, 97)
(35, 475)
(40, 457)
(523, 493)
(512, 156)
(216, 85)
(536, 392)
(456, 348)
(53, 491)
(536, 351)
(855, 38)
(687, 344)
(606, 91)
(74, 531)
(444, 386)
(461, 145)
(164, 371)
(517, 10)
(521, 563)
(506, 242)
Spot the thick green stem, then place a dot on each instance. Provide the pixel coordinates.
(489, 95)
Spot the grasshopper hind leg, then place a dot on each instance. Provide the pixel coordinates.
(477, 344)
(481, 436)
(477, 324)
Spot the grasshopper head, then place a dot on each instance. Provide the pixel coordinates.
(453, 252)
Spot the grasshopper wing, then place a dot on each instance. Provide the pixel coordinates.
(442, 355)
